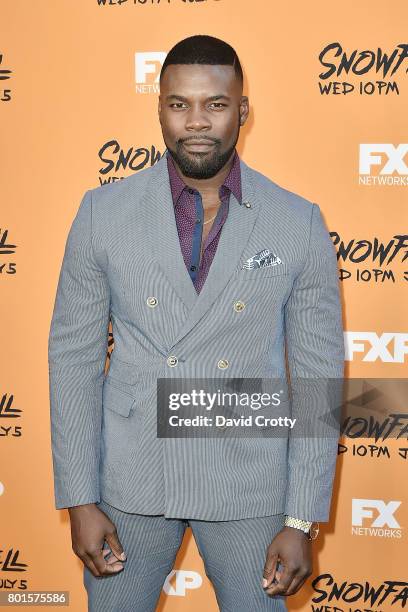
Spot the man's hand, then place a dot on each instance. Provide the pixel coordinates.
(90, 526)
(293, 549)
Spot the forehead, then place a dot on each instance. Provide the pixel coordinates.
(199, 79)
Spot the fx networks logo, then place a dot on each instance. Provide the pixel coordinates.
(147, 71)
(5, 74)
(387, 347)
(375, 517)
(383, 164)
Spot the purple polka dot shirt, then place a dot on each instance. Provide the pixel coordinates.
(189, 214)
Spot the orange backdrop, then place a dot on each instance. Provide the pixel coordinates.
(78, 107)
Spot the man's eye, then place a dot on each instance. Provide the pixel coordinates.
(182, 104)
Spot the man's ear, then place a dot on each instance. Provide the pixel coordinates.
(243, 109)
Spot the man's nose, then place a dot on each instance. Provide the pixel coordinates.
(197, 119)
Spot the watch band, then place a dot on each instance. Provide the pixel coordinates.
(305, 526)
(290, 521)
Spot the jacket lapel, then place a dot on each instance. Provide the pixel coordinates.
(163, 236)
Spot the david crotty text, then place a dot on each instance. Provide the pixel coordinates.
(220, 420)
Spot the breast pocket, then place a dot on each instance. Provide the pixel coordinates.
(254, 274)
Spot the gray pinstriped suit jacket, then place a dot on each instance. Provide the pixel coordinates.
(122, 248)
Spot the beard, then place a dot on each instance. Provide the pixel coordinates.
(201, 165)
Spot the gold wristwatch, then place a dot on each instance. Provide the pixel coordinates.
(305, 526)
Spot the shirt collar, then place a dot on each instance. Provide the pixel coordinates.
(232, 181)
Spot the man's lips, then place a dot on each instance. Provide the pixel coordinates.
(199, 145)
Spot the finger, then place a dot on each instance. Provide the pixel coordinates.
(275, 577)
(112, 559)
(269, 569)
(284, 581)
(279, 572)
(101, 565)
(296, 584)
(90, 565)
(108, 556)
(116, 547)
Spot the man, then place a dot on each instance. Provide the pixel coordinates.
(206, 268)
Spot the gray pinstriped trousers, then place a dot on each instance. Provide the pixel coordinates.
(233, 554)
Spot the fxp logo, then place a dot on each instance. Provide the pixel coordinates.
(387, 347)
(383, 164)
(147, 71)
(179, 582)
(375, 517)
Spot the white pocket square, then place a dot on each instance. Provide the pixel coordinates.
(262, 259)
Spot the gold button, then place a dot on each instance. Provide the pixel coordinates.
(222, 364)
(172, 360)
(238, 306)
(151, 301)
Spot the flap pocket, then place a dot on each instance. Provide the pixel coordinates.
(116, 399)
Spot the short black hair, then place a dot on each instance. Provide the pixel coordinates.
(203, 49)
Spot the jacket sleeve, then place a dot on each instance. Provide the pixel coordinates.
(77, 350)
(315, 356)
